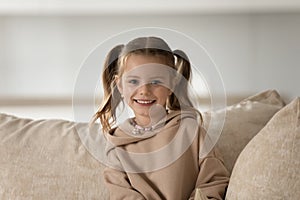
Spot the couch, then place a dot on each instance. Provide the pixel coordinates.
(260, 142)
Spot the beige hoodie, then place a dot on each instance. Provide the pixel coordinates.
(163, 163)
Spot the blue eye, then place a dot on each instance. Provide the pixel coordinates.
(155, 82)
(133, 81)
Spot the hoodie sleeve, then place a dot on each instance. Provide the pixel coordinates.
(119, 187)
(213, 177)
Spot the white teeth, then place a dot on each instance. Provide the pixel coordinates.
(144, 102)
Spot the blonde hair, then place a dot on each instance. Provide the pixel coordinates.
(113, 66)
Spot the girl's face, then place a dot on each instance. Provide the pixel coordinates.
(145, 83)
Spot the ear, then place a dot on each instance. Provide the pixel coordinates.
(119, 84)
(174, 82)
(170, 92)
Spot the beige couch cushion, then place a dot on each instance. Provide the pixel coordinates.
(45, 159)
(243, 121)
(268, 167)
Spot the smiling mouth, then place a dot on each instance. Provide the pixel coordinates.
(144, 102)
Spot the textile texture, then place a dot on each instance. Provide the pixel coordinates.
(268, 167)
(243, 121)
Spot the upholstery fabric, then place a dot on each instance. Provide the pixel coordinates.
(44, 159)
(243, 121)
(269, 166)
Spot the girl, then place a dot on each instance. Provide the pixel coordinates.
(153, 81)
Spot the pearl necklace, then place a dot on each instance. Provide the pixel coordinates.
(138, 130)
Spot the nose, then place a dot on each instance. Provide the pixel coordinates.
(144, 89)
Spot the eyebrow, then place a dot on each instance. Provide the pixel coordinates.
(132, 76)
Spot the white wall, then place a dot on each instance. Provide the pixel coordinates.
(40, 55)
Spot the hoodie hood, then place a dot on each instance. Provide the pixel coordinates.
(124, 133)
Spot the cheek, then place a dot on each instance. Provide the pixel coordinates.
(128, 92)
(163, 93)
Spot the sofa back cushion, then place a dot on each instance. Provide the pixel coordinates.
(45, 159)
(243, 121)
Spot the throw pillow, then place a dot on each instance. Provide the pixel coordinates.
(268, 167)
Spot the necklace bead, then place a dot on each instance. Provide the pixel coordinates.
(138, 130)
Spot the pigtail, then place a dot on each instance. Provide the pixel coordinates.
(182, 100)
(112, 96)
(183, 67)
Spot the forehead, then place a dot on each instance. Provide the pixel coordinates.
(146, 67)
(136, 60)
